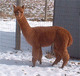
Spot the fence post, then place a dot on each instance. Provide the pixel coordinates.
(52, 46)
(18, 33)
(45, 10)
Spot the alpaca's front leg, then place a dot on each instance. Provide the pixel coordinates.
(35, 55)
(33, 61)
(40, 56)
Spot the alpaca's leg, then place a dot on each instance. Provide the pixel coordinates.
(35, 55)
(58, 57)
(40, 56)
(64, 54)
(61, 53)
(33, 61)
(65, 58)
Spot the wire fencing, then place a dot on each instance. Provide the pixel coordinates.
(7, 33)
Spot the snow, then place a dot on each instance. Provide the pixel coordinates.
(19, 62)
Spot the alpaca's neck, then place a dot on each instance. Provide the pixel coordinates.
(26, 29)
(23, 24)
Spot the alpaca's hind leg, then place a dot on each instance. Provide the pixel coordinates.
(58, 57)
(65, 58)
(64, 54)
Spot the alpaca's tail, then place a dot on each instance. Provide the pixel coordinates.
(70, 40)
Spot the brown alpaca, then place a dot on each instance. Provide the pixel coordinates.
(39, 37)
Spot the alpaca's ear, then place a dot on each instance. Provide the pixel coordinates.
(23, 6)
(14, 6)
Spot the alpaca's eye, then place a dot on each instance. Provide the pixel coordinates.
(17, 12)
(21, 11)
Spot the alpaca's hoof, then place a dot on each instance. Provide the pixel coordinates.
(33, 66)
(40, 62)
(62, 67)
(52, 64)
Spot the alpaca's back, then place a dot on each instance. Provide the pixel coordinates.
(47, 35)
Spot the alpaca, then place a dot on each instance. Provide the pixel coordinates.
(39, 37)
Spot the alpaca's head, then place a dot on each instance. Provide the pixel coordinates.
(18, 11)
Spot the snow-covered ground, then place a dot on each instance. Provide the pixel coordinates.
(18, 63)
